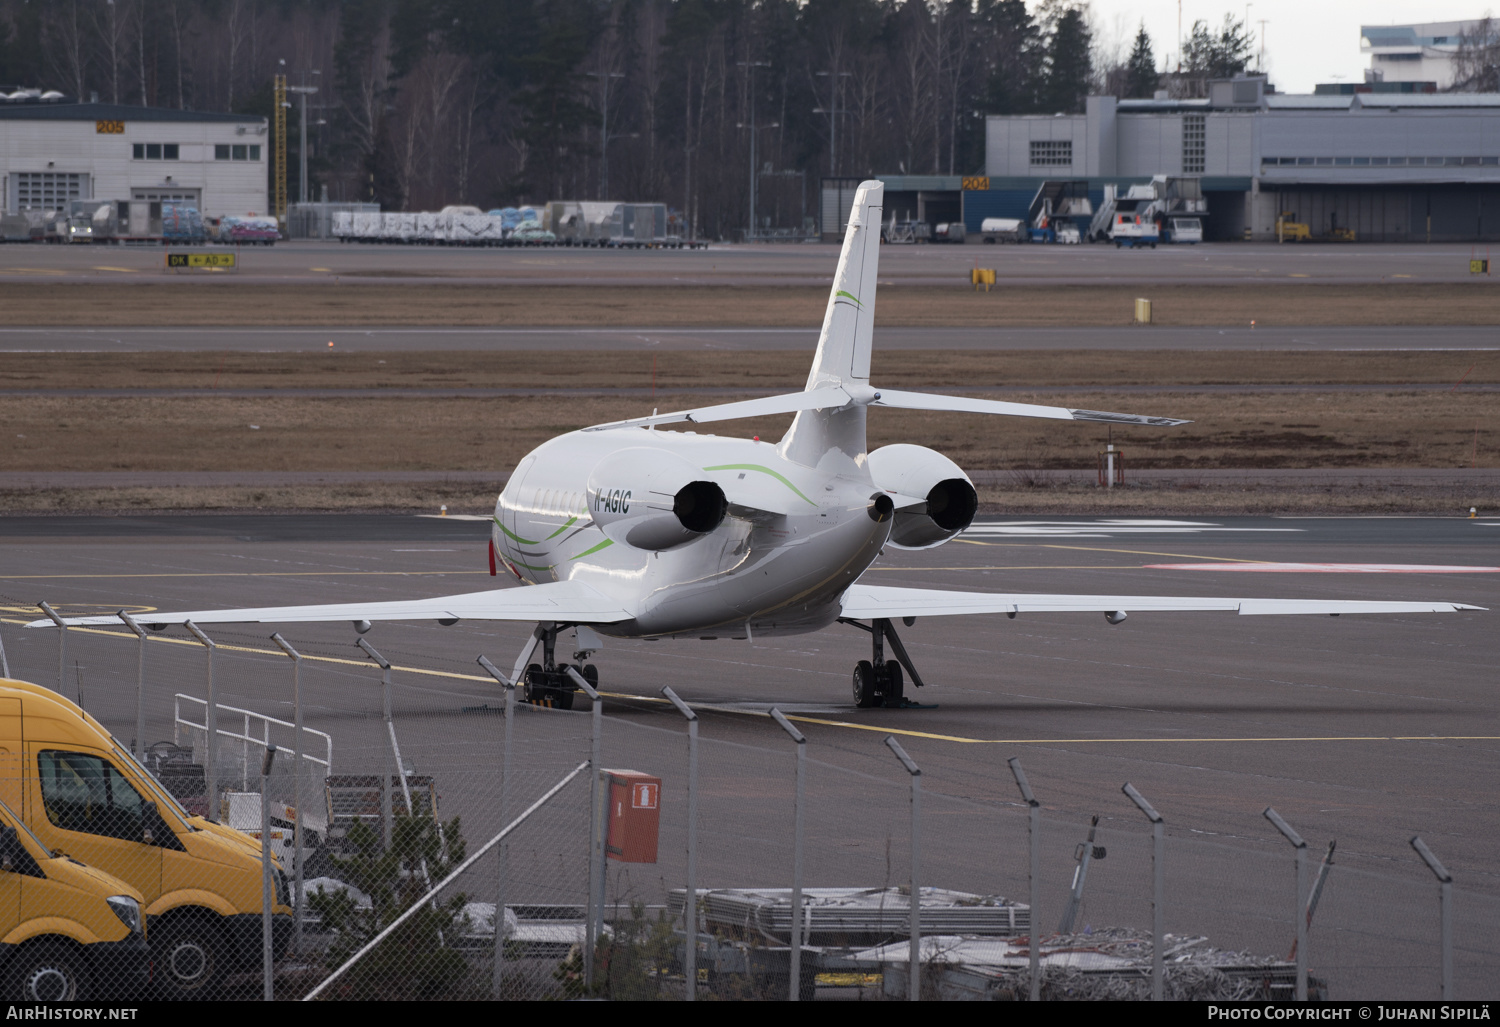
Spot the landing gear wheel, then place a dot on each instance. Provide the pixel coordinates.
(187, 959)
(591, 675)
(895, 683)
(47, 972)
(864, 685)
(536, 682)
(562, 698)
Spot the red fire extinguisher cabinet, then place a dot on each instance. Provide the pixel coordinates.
(634, 816)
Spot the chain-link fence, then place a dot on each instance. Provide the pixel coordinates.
(417, 842)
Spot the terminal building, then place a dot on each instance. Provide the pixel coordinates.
(54, 150)
(1390, 166)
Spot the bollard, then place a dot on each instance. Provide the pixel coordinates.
(297, 897)
(690, 897)
(1034, 832)
(914, 980)
(140, 686)
(1158, 890)
(210, 728)
(1301, 944)
(1142, 311)
(267, 885)
(794, 987)
(497, 976)
(1445, 910)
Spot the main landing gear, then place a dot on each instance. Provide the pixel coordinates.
(547, 683)
(878, 681)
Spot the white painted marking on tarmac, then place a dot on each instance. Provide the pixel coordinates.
(1107, 528)
(458, 517)
(1327, 568)
(424, 550)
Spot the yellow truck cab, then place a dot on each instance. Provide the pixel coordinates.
(84, 794)
(67, 931)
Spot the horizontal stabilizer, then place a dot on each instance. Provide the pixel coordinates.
(963, 404)
(564, 601)
(881, 601)
(791, 403)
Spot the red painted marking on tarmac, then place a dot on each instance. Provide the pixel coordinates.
(1326, 568)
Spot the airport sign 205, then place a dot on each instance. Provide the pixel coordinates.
(200, 260)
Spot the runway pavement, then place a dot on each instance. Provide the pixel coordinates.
(1362, 729)
(1312, 339)
(315, 263)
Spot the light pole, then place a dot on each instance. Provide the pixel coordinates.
(754, 174)
(305, 90)
(750, 66)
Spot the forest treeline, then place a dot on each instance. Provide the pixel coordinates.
(422, 103)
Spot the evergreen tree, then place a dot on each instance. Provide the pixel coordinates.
(1069, 67)
(1140, 70)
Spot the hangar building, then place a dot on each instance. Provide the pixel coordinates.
(55, 150)
(1392, 166)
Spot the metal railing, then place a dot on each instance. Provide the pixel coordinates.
(245, 738)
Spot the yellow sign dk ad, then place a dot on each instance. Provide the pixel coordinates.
(200, 260)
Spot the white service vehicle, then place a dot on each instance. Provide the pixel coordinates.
(996, 230)
(623, 530)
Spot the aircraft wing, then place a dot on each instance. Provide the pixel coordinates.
(565, 601)
(862, 602)
(789, 403)
(964, 404)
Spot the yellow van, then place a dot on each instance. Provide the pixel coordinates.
(84, 794)
(67, 931)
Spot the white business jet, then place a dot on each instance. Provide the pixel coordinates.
(627, 531)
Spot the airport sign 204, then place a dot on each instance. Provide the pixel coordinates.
(200, 260)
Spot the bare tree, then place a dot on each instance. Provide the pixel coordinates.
(65, 39)
(1476, 63)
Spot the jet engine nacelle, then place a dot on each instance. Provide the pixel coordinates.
(916, 471)
(652, 500)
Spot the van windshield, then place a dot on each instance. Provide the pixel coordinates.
(165, 800)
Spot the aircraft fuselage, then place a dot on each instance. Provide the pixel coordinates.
(778, 573)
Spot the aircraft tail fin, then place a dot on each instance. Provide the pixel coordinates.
(844, 344)
(818, 436)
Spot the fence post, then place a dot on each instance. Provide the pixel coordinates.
(1158, 889)
(211, 727)
(1445, 909)
(62, 643)
(914, 979)
(596, 854)
(690, 898)
(140, 686)
(1034, 833)
(4, 663)
(267, 887)
(1301, 848)
(297, 767)
(390, 727)
(794, 987)
(497, 976)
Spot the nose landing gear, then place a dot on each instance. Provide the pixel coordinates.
(879, 682)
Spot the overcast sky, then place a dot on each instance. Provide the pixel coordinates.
(1307, 41)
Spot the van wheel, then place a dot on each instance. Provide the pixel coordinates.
(48, 972)
(187, 958)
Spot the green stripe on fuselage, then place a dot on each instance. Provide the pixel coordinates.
(763, 470)
(512, 535)
(571, 521)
